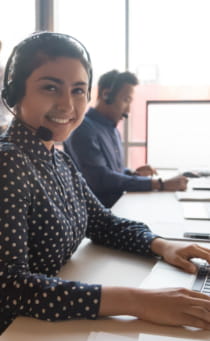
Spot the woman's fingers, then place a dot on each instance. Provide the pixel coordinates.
(185, 264)
(179, 307)
(196, 322)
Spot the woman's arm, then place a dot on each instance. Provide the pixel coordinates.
(112, 231)
(176, 307)
(26, 269)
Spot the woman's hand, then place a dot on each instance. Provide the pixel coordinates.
(175, 307)
(180, 254)
(171, 306)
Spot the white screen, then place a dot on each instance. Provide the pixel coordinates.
(178, 134)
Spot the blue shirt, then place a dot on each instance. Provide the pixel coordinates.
(46, 209)
(96, 148)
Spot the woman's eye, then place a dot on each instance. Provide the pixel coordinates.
(50, 87)
(79, 91)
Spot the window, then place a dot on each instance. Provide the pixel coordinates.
(168, 41)
(100, 25)
(17, 20)
(169, 51)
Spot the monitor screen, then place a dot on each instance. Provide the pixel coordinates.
(178, 134)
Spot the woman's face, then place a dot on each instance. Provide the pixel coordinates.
(55, 97)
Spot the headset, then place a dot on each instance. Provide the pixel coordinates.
(12, 91)
(109, 97)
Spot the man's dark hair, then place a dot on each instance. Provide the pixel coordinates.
(114, 81)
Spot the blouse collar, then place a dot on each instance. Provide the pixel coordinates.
(27, 140)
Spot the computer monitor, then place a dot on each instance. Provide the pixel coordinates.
(178, 134)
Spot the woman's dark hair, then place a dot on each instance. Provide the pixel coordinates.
(32, 52)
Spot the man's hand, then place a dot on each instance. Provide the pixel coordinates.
(177, 183)
(145, 170)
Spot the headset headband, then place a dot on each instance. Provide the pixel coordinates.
(10, 92)
(112, 89)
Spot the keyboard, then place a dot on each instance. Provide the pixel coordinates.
(204, 172)
(200, 183)
(202, 281)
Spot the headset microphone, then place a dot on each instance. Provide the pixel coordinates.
(44, 133)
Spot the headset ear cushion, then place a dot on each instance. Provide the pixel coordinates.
(107, 98)
(9, 95)
(4, 94)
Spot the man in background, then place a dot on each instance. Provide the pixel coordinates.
(97, 150)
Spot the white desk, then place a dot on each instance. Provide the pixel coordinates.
(161, 211)
(96, 264)
(93, 264)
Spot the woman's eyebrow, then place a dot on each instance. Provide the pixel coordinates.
(49, 78)
(60, 81)
(80, 83)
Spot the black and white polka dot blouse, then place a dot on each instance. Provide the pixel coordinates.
(46, 209)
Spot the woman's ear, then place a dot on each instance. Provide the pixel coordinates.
(17, 109)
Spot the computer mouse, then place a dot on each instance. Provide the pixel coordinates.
(191, 174)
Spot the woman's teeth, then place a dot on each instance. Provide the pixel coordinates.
(59, 120)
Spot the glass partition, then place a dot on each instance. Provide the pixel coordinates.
(100, 25)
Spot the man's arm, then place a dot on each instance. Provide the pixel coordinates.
(88, 154)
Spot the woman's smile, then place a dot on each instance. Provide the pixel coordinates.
(60, 120)
(56, 97)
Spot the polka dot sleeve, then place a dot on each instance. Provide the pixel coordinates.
(107, 229)
(24, 291)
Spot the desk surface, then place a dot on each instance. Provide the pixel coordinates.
(161, 211)
(97, 264)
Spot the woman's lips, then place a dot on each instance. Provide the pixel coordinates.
(60, 120)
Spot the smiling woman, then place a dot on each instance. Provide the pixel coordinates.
(55, 97)
(47, 208)
(60, 84)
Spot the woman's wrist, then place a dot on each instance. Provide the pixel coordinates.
(159, 246)
(117, 301)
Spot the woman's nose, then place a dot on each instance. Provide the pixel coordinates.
(66, 102)
(128, 107)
